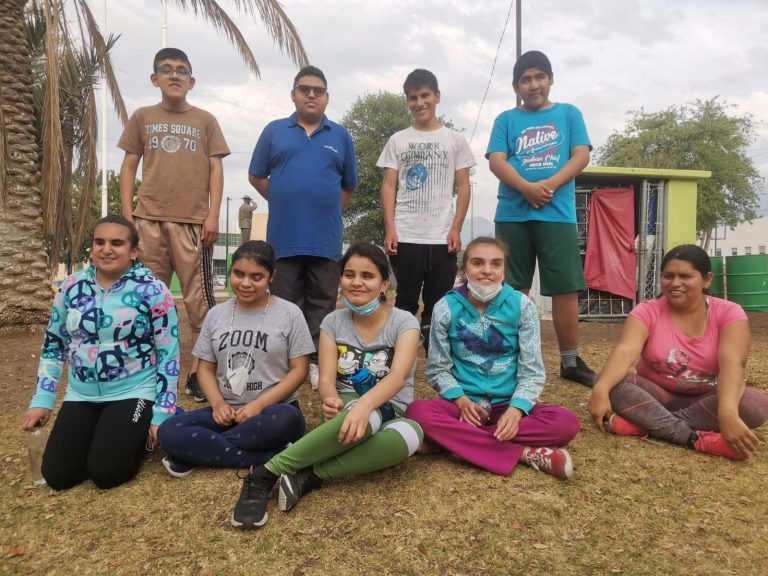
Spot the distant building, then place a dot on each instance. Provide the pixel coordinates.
(745, 240)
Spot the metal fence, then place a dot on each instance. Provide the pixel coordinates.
(649, 243)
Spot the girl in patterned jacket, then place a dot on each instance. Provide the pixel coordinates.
(116, 326)
(485, 362)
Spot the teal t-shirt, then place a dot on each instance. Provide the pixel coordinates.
(538, 144)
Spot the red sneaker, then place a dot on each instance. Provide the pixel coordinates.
(554, 461)
(623, 427)
(714, 443)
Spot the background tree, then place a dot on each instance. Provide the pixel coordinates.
(698, 136)
(371, 120)
(34, 187)
(82, 250)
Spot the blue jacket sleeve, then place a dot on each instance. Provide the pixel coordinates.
(530, 367)
(440, 363)
(53, 355)
(165, 328)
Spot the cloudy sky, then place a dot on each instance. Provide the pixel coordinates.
(608, 57)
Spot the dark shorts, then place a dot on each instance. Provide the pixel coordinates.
(554, 244)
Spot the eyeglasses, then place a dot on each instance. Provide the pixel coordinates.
(167, 70)
(305, 90)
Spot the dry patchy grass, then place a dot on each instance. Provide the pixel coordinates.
(633, 507)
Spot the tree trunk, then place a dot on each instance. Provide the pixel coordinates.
(25, 295)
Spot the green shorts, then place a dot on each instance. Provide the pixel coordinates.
(554, 244)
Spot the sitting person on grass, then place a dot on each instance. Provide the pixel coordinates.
(485, 362)
(367, 360)
(690, 351)
(254, 354)
(115, 325)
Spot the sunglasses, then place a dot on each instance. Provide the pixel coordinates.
(305, 90)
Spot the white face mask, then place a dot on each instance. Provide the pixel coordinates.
(484, 293)
(238, 378)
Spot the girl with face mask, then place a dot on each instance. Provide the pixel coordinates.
(253, 354)
(485, 362)
(367, 358)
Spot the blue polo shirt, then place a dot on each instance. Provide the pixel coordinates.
(538, 144)
(306, 176)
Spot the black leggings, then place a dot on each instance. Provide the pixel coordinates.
(103, 441)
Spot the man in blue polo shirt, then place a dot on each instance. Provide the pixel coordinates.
(304, 165)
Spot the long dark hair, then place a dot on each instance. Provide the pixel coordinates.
(692, 254)
(258, 251)
(372, 253)
(133, 234)
(498, 242)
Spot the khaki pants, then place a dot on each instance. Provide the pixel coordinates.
(168, 247)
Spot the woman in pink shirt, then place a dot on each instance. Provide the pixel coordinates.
(690, 352)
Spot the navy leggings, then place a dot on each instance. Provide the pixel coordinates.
(195, 437)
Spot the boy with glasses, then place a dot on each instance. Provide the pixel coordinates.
(177, 208)
(536, 151)
(304, 166)
(423, 229)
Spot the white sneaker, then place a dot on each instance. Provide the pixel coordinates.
(314, 375)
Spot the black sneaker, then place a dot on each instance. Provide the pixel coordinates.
(193, 388)
(580, 373)
(251, 509)
(294, 486)
(177, 468)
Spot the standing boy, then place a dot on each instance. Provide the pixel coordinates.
(536, 151)
(304, 165)
(423, 230)
(177, 212)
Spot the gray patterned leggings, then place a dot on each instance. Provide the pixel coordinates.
(674, 417)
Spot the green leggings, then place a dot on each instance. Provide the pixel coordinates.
(382, 446)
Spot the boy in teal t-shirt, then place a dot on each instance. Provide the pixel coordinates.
(536, 151)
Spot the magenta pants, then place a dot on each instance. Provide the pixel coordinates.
(547, 426)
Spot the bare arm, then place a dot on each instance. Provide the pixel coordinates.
(388, 195)
(327, 361)
(215, 193)
(578, 161)
(346, 196)
(462, 205)
(128, 183)
(223, 413)
(732, 361)
(623, 357)
(261, 185)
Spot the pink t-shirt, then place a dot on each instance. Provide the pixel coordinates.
(681, 364)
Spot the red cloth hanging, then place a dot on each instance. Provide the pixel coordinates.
(610, 263)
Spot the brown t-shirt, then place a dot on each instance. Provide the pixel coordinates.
(175, 147)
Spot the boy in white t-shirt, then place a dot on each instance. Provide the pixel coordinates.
(423, 228)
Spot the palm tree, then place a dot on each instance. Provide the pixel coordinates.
(34, 181)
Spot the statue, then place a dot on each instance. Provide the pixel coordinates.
(245, 216)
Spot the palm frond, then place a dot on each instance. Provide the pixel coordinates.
(51, 121)
(278, 25)
(4, 159)
(104, 47)
(86, 172)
